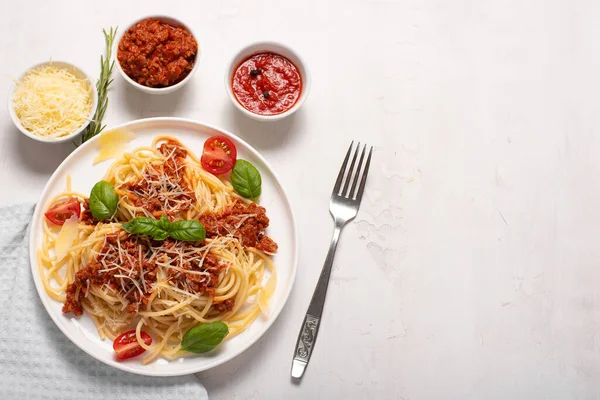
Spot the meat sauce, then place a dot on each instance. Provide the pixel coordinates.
(153, 192)
(118, 266)
(267, 84)
(156, 54)
(246, 222)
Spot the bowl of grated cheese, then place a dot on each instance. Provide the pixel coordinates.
(52, 102)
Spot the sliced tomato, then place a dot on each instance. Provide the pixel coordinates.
(219, 155)
(62, 211)
(127, 346)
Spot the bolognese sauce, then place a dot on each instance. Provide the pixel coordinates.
(156, 54)
(245, 222)
(126, 259)
(162, 188)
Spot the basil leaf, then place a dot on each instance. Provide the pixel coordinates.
(163, 223)
(146, 226)
(189, 230)
(246, 179)
(103, 201)
(160, 229)
(204, 337)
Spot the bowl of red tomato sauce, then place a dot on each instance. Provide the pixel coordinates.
(267, 81)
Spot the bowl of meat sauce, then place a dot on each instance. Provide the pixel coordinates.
(267, 81)
(157, 54)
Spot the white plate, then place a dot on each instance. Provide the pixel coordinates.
(84, 174)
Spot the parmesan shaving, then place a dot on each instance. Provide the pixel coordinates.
(51, 102)
(66, 237)
(264, 297)
(112, 144)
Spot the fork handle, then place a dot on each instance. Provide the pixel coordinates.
(310, 327)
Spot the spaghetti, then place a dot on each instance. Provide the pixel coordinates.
(125, 281)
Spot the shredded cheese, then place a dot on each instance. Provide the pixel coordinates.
(51, 102)
(112, 144)
(167, 189)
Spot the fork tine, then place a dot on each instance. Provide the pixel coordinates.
(338, 182)
(344, 192)
(358, 169)
(363, 180)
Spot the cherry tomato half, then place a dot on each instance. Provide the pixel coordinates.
(219, 155)
(127, 346)
(62, 211)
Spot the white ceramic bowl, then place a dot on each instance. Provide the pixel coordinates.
(268, 47)
(168, 89)
(78, 72)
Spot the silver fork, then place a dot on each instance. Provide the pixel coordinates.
(343, 207)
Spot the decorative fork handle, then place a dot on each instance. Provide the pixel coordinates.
(310, 326)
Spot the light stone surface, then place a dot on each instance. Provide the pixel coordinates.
(472, 269)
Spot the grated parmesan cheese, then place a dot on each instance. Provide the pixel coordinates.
(51, 102)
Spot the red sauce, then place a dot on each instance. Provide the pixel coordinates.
(267, 84)
(156, 54)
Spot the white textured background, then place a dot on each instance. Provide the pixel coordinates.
(472, 270)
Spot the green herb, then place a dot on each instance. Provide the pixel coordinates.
(147, 226)
(163, 223)
(106, 68)
(255, 72)
(190, 230)
(246, 180)
(103, 201)
(266, 94)
(160, 229)
(204, 337)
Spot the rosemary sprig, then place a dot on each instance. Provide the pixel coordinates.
(106, 68)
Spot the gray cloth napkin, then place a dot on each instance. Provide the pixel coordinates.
(37, 361)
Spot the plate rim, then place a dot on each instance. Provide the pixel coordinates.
(274, 314)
